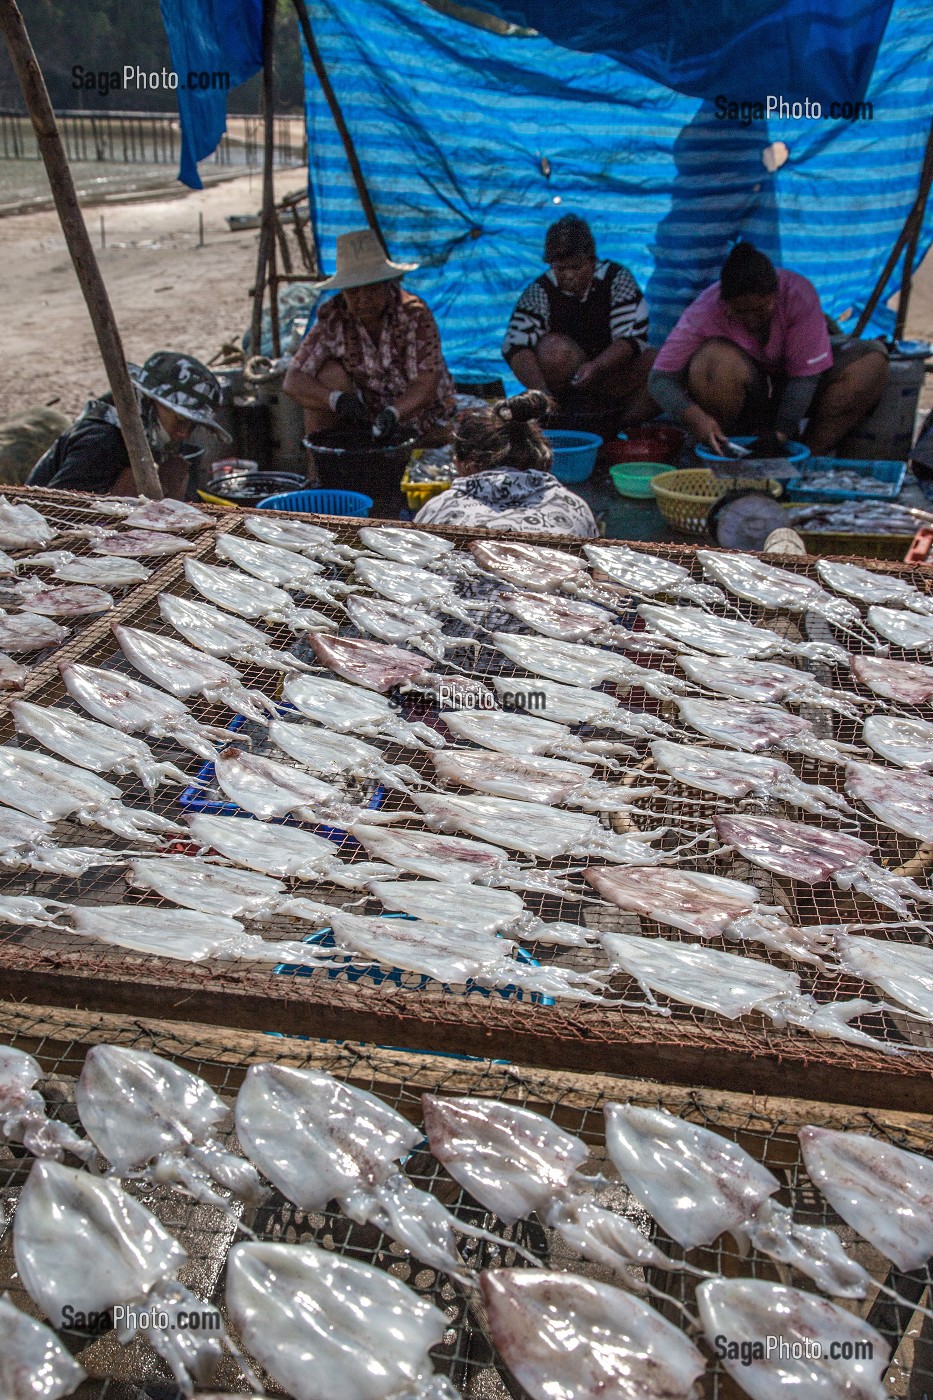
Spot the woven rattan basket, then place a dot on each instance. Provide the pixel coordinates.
(684, 497)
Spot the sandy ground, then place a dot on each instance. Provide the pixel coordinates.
(168, 294)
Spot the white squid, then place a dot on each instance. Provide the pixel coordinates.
(910, 630)
(299, 535)
(533, 778)
(906, 742)
(869, 586)
(578, 664)
(393, 622)
(27, 631)
(742, 724)
(95, 746)
(522, 734)
(739, 775)
(223, 634)
(333, 755)
(481, 907)
(350, 710)
(33, 1363)
(908, 682)
(768, 681)
(268, 788)
(50, 790)
(183, 672)
(137, 544)
(126, 704)
(726, 636)
(283, 851)
(453, 859)
(569, 704)
(22, 526)
(248, 597)
(23, 1118)
(901, 800)
(279, 566)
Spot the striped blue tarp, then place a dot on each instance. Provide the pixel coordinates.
(473, 142)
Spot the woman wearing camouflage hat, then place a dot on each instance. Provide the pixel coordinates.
(175, 392)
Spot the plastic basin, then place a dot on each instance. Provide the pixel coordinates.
(633, 479)
(574, 453)
(796, 453)
(320, 502)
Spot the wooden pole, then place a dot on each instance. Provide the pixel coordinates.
(908, 235)
(145, 472)
(267, 226)
(369, 209)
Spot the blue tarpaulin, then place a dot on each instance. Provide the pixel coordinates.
(816, 49)
(208, 37)
(472, 142)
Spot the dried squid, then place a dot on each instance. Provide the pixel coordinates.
(90, 745)
(183, 672)
(144, 1112)
(407, 546)
(393, 622)
(867, 586)
(533, 778)
(757, 582)
(646, 574)
(488, 909)
(799, 851)
(28, 631)
(409, 585)
(373, 665)
(767, 681)
(279, 566)
(50, 790)
(903, 971)
(223, 634)
(26, 842)
(521, 734)
(72, 600)
(186, 934)
(166, 514)
(453, 859)
(22, 526)
(311, 540)
(578, 664)
(81, 1243)
(350, 710)
(248, 597)
(317, 1140)
(33, 1363)
(268, 789)
(283, 851)
(564, 619)
(909, 630)
(533, 566)
(453, 954)
(908, 682)
(341, 755)
(137, 544)
(783, 1334)
(108, 572)
(742, 724)
(325, 1326)
(883, 1192)
(543, 832)
(212, 889)
(906, 742)
(568, 704)
(570, 1338)
(902, 801)
(516, 1162)
(740, 775)
(128, 705)
(13, 676)
(708, 906)
(726, 636)
(23, 1117)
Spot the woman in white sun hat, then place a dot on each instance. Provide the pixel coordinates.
(373, 357)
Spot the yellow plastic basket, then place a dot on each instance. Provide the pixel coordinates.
(686, 497)
(417, 492)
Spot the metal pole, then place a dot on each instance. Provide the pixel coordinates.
(27, 70)
(914, 219)
(340, 121)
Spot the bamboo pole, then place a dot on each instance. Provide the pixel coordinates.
(340, 121)
(26, 67)
(908, 236)
(267, 225)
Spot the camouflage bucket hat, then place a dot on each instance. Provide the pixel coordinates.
(184, 385)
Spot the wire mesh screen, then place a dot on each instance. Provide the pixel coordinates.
(684, 1044)
(764, 1128)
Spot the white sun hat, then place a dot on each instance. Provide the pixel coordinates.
(361, 261)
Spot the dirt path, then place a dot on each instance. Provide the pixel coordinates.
(167, 292)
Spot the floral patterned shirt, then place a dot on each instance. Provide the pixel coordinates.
(509, 500)
(409, 344)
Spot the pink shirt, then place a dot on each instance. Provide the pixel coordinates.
(797, 344)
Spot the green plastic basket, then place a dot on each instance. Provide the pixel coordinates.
(633, 479)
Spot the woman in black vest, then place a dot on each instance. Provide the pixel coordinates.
(580, 332)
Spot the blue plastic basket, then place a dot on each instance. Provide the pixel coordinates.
(320, 502)
(883, 480)
(574, 453)
(796, 452)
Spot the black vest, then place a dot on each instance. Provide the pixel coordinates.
(586, 322)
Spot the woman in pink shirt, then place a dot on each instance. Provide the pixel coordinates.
(753, 355)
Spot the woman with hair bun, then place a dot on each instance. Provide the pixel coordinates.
(753, 354)
(504, 479)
